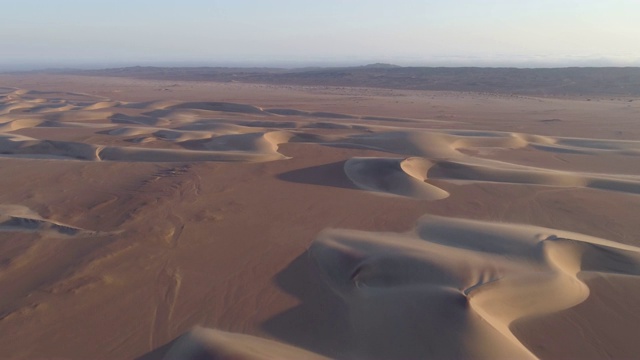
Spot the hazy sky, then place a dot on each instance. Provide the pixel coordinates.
(407, 32)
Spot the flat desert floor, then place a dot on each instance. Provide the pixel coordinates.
(161, 219)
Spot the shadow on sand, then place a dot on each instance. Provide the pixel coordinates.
(331, 175)
(320, 322)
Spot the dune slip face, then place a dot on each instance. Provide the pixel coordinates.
(192, 220)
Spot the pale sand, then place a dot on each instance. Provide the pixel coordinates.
(304, 222)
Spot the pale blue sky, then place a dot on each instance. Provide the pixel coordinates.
(287, 32)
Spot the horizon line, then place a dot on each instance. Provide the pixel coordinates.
(95, 67)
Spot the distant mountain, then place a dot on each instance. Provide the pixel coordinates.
(380, 66)
(560, 81)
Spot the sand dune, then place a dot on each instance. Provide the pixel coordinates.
(260, 150)
(25, 146)
(20, 218)
(102, 105)
(201, 343)
(219, 106)
(138, 120)
(182, 122)
(462, 282)
(164, 155)
(395, 176)
(313, 114)
(448, 289)
(439, 156)
(513, 174)
(163, 134)
(263, 142)
(202, 141)
(215, 126)
(20, 124)
(340, 116)
(446, 144)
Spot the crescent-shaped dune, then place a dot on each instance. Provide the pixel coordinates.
(393, 176)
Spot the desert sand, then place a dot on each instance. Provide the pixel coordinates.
(157, 219)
